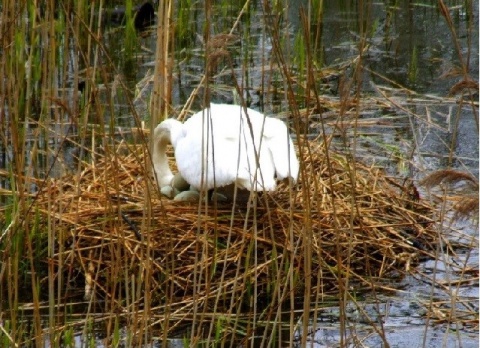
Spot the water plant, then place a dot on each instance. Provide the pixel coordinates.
(88, 244)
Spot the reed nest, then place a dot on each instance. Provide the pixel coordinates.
(341, 220)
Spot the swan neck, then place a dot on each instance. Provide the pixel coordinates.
(161, 167)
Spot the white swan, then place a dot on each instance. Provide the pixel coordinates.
(224, 152)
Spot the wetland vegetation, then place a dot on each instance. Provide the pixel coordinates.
(380, 234)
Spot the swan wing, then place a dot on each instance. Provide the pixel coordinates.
(253, 175)
(281, 149)
(206, 156)
(217, 148)
(250, 147)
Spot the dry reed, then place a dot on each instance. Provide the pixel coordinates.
(462, 188)
(381, 229)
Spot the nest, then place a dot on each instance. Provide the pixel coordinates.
(342, 220)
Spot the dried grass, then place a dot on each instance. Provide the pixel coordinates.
(462, 189)
(360, 218)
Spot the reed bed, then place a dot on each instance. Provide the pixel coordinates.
(100, 254)
(359, 224)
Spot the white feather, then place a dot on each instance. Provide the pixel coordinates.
(216, 147)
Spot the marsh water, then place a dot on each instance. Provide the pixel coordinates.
(411, 45)
(411, 58)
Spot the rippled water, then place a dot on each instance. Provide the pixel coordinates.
(410, 46)
(412, 132)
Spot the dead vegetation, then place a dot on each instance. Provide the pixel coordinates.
(101, 251)
(459, 188)
(343, 221)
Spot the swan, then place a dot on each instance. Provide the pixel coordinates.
(224, 152)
